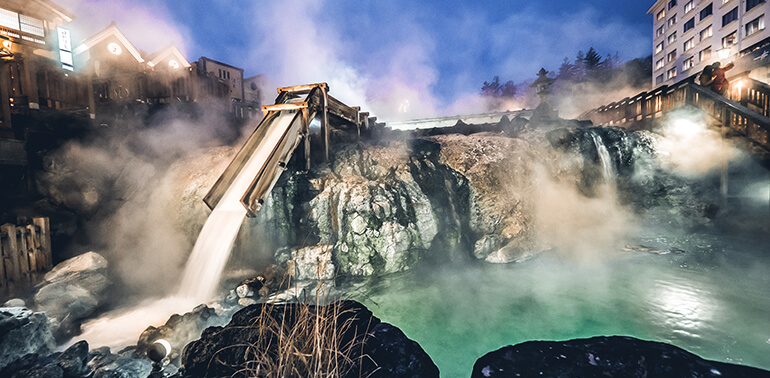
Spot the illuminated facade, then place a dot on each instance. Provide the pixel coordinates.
(690, 34)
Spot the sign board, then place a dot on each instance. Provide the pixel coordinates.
(65, 49)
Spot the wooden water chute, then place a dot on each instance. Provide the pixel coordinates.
(305, 103)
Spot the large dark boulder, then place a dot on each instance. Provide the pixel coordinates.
(613, 356)
(23, 332)
(360, 343)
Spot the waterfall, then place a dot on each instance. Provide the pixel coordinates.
(212, 249)
(608, 170)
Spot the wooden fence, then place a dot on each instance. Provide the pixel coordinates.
(25, 252)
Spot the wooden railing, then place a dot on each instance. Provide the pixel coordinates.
(25, 251)
(745, 110)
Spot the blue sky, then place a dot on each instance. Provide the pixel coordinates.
(432, 54)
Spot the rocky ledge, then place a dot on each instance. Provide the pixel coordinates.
(613, 356)
(343, 337)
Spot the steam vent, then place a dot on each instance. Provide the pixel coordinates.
(384, 189)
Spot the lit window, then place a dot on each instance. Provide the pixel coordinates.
(753, 3)
(670, 74)
(755, 25)
(659, 32)
(672, 21)
(9, 19)
(688, 6)
(729, 40)
(688, 44)
(660, 15)
(659, 47)
(688, 63)
(707, 11)
(690, 24)
(114, 48)
(730, 16)
(705, 54)
(659, 79)
(31, 25)
(706, 33)
(671, 56)
(671, 38)
(671, 4)
(659, 64)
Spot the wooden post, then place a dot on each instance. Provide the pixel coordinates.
(325, 125)
(45, 242)
(34, 248)
(12, 263)
(306, 131)
(5, 99)
(23, 252)
(3, 253)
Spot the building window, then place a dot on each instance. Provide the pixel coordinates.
(755, 25)
(729, 40)
(672, 56)
(661, 15)
(659, 64)
(730, 16)
(705, 54)
(706, 33)
(753, 3)
(659, 32)
(671, 38)
(688, 44)
(672, 21)
(707, 11)
(659, 47)
(9, 19)
(671, 4)
(688, 6)
(688, 63)
(31, 25)
(670, 74)
(659, 79)
(690, 24)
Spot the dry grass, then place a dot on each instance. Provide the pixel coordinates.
(310, 338)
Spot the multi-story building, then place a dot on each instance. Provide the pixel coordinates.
(690, 34)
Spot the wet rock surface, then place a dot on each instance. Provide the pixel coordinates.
(614, 356)
(238, 347)
(22, 332)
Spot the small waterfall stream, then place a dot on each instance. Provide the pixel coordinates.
(608, 170)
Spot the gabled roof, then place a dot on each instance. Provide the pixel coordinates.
(110, 31)
(655, 4)
(169, 52)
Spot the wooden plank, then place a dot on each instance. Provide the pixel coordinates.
(34, 248)
(3, 252)
(282, 107)
(303, 88)
(12, 263)
(45, 241)
(23, 251)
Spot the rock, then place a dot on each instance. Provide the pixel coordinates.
(314, 263)
(486, 245)
(244, 291)
(15, 302)
(73, 360)
(613, 356)
(246, 302)
(221, 351)
(396, 355)
(87, 262)
(179, 330)
(62, 299)
(124, 368)
(23, 332)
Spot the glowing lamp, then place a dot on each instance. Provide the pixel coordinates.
(156, 352)
(723, 53)
(7, 44)
(173, 64)
(739, 84)
(114, 48)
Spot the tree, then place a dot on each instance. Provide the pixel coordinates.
(567, 71)
(498, 90)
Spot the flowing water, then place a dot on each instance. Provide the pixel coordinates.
(206, 262)
(713, 299)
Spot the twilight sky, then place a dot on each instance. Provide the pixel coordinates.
(381, 54)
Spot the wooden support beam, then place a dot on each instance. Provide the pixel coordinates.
(303, 88)
(45, 241)
(282, 107)
(12, 255)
